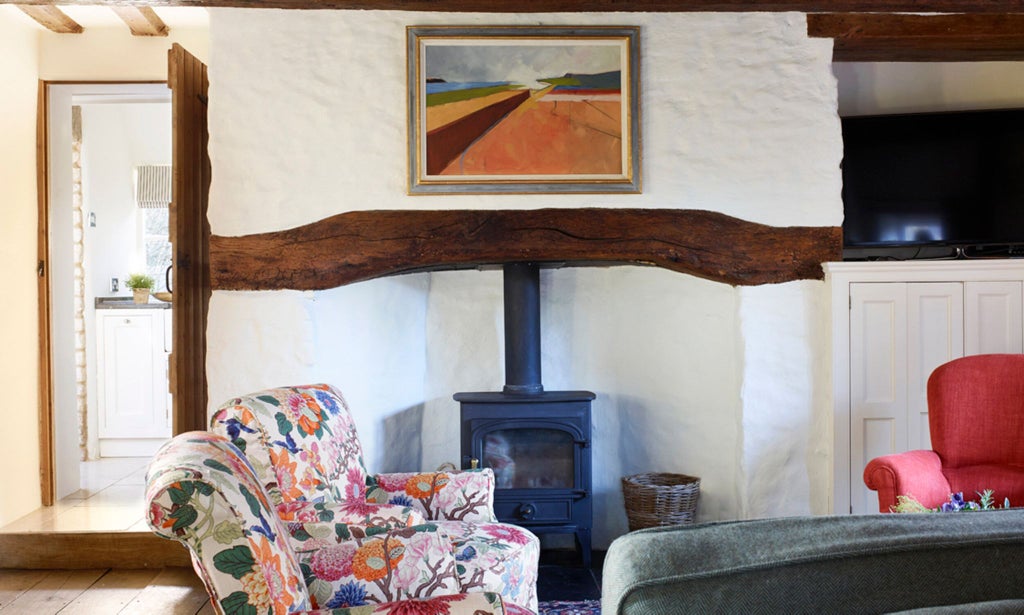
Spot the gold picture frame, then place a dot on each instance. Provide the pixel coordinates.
(511, 109)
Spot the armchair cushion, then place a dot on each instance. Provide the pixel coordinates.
(460, 604)
(376, 567)
(459, 496)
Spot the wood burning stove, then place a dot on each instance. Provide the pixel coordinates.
(537, 442)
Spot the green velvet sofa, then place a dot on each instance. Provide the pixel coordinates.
(967, 562)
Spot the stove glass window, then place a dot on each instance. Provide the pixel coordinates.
(530, 458)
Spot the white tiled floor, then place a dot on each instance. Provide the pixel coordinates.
(111, 499)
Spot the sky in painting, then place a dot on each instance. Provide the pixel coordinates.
(522, 64)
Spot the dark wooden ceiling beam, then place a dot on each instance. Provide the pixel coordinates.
(142, 20)
(363, 245)
(921, 38)
(52, 18)
(587, 6)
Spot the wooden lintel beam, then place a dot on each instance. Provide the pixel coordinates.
(578, 6)
(357, 246)
(142, 20)
(52, 18)
(921, 38)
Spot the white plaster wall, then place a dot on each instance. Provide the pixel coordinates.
(117, 138)
(307, 119)
(867, 88)
(19, 72)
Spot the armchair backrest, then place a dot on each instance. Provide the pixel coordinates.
(976, 411)
(301, 441)
(202, 492)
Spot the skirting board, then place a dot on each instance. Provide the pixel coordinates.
(81, 550)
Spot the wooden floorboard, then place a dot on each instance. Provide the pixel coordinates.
(167, 591)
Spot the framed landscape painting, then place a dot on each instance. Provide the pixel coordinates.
(523, 109)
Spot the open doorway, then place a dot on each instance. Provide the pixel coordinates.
(108, 220)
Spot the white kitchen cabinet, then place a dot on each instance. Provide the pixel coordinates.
(893, 324)
(133, 413)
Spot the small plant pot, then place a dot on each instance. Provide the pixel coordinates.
(140, 295)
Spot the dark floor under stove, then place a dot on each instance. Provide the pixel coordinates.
(562, 578)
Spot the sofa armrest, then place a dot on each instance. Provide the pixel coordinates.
(202, 492)
(459, 496)
(917, 474)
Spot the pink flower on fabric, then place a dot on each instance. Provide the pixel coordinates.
(358, 507)
(356, 488)
(435, 606)
(333, 562)
(393, 482)
(506, 533)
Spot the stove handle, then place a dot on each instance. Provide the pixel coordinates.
(581, 443)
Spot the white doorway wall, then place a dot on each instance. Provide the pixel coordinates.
(106, 253)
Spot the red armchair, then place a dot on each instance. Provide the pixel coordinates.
(976, 421)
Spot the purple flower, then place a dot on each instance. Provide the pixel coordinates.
(955, 503)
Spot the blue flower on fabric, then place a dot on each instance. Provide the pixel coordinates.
(465, 555)
(400, 500)
(349, 594)
(327, 401)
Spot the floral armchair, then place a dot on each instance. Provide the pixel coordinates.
(202, 492)
(303, 446)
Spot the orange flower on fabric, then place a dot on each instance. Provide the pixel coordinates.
(286, 471)
(280, 590)
(310, 414)
(423, 485)
(375, 559)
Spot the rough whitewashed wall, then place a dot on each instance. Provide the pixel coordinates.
(307, 119)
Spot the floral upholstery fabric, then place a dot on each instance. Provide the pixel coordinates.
(303, 445)
(202, 492)
(459, 496)
(463, 604)
(414, 562)
(300, 440)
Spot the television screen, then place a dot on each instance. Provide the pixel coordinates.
(934, 179)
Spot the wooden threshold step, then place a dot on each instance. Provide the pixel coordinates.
(82, 550)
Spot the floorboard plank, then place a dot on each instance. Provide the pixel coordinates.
(174, 591)
(112, 592)
(54, 592)
(14, 583)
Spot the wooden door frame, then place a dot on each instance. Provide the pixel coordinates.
(47, 446)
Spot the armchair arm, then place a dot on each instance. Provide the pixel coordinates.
(459, 496)
(204, 494)
(312, 525)
(917, 474)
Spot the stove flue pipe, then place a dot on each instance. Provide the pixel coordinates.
(522, 329)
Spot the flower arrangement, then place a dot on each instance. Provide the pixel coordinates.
(956, 503)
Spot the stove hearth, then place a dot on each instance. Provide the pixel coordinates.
(537, 442)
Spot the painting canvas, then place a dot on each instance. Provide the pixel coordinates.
(510, 109)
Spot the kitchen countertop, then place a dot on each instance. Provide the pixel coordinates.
(127, 303)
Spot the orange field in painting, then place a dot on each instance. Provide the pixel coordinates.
(549, 135)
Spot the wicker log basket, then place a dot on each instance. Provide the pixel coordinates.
(656, 498)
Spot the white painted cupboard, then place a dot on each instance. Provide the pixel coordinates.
(892, 324)
(132, 393)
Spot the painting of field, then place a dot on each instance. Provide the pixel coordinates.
(524, 108)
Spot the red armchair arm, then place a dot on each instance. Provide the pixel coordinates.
(917, 474)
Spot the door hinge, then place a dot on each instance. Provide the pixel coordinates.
(41, 269)
(851, 302)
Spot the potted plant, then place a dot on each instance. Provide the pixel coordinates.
(140, 284)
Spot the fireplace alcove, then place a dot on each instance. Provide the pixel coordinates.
(364, 245)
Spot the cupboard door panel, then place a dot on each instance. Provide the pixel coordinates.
(878, 382)
(992, 318)
(935, 335)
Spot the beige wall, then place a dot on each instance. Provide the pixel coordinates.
(29, 54)
(18, 357)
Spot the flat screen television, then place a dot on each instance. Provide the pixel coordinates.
(934, 184)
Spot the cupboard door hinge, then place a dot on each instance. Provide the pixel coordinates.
(850, 307)
(41, 269)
